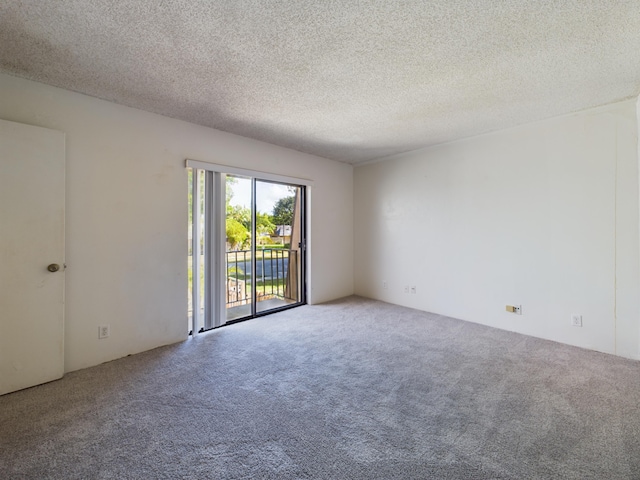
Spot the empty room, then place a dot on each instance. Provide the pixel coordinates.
(319, 240)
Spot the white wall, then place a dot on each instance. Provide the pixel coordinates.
(544, 215)
(126, 229)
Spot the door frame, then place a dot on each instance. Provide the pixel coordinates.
(214, 245)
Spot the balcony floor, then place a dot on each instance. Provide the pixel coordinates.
(241, 311)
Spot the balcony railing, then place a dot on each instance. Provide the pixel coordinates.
(277, 282)
(276, 276)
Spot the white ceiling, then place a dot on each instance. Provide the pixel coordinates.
(351, 81)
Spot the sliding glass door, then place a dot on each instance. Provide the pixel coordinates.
(247, 246)
(279, 245)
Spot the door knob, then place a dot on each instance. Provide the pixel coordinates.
(54, 267)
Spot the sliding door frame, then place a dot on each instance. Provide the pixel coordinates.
(215, 241)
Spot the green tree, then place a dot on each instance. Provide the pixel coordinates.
(238, 222)
(240, 214)
(264, 224)
(264, 227)
(283, 211)
(237, 234)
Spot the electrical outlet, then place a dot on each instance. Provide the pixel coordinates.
(406, 289)
(517, 309)
(413, 289)
(384, 284)
(576, 320)
(104, 331)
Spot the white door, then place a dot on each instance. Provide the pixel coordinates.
(31, 239)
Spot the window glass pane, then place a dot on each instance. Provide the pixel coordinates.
(238, 249)
(278, 272)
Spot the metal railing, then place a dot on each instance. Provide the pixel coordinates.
(276, 275)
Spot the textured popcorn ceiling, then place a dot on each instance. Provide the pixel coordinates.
(347, 80)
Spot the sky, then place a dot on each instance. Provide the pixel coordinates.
(267, 194)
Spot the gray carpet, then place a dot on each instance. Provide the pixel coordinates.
(354, 389)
